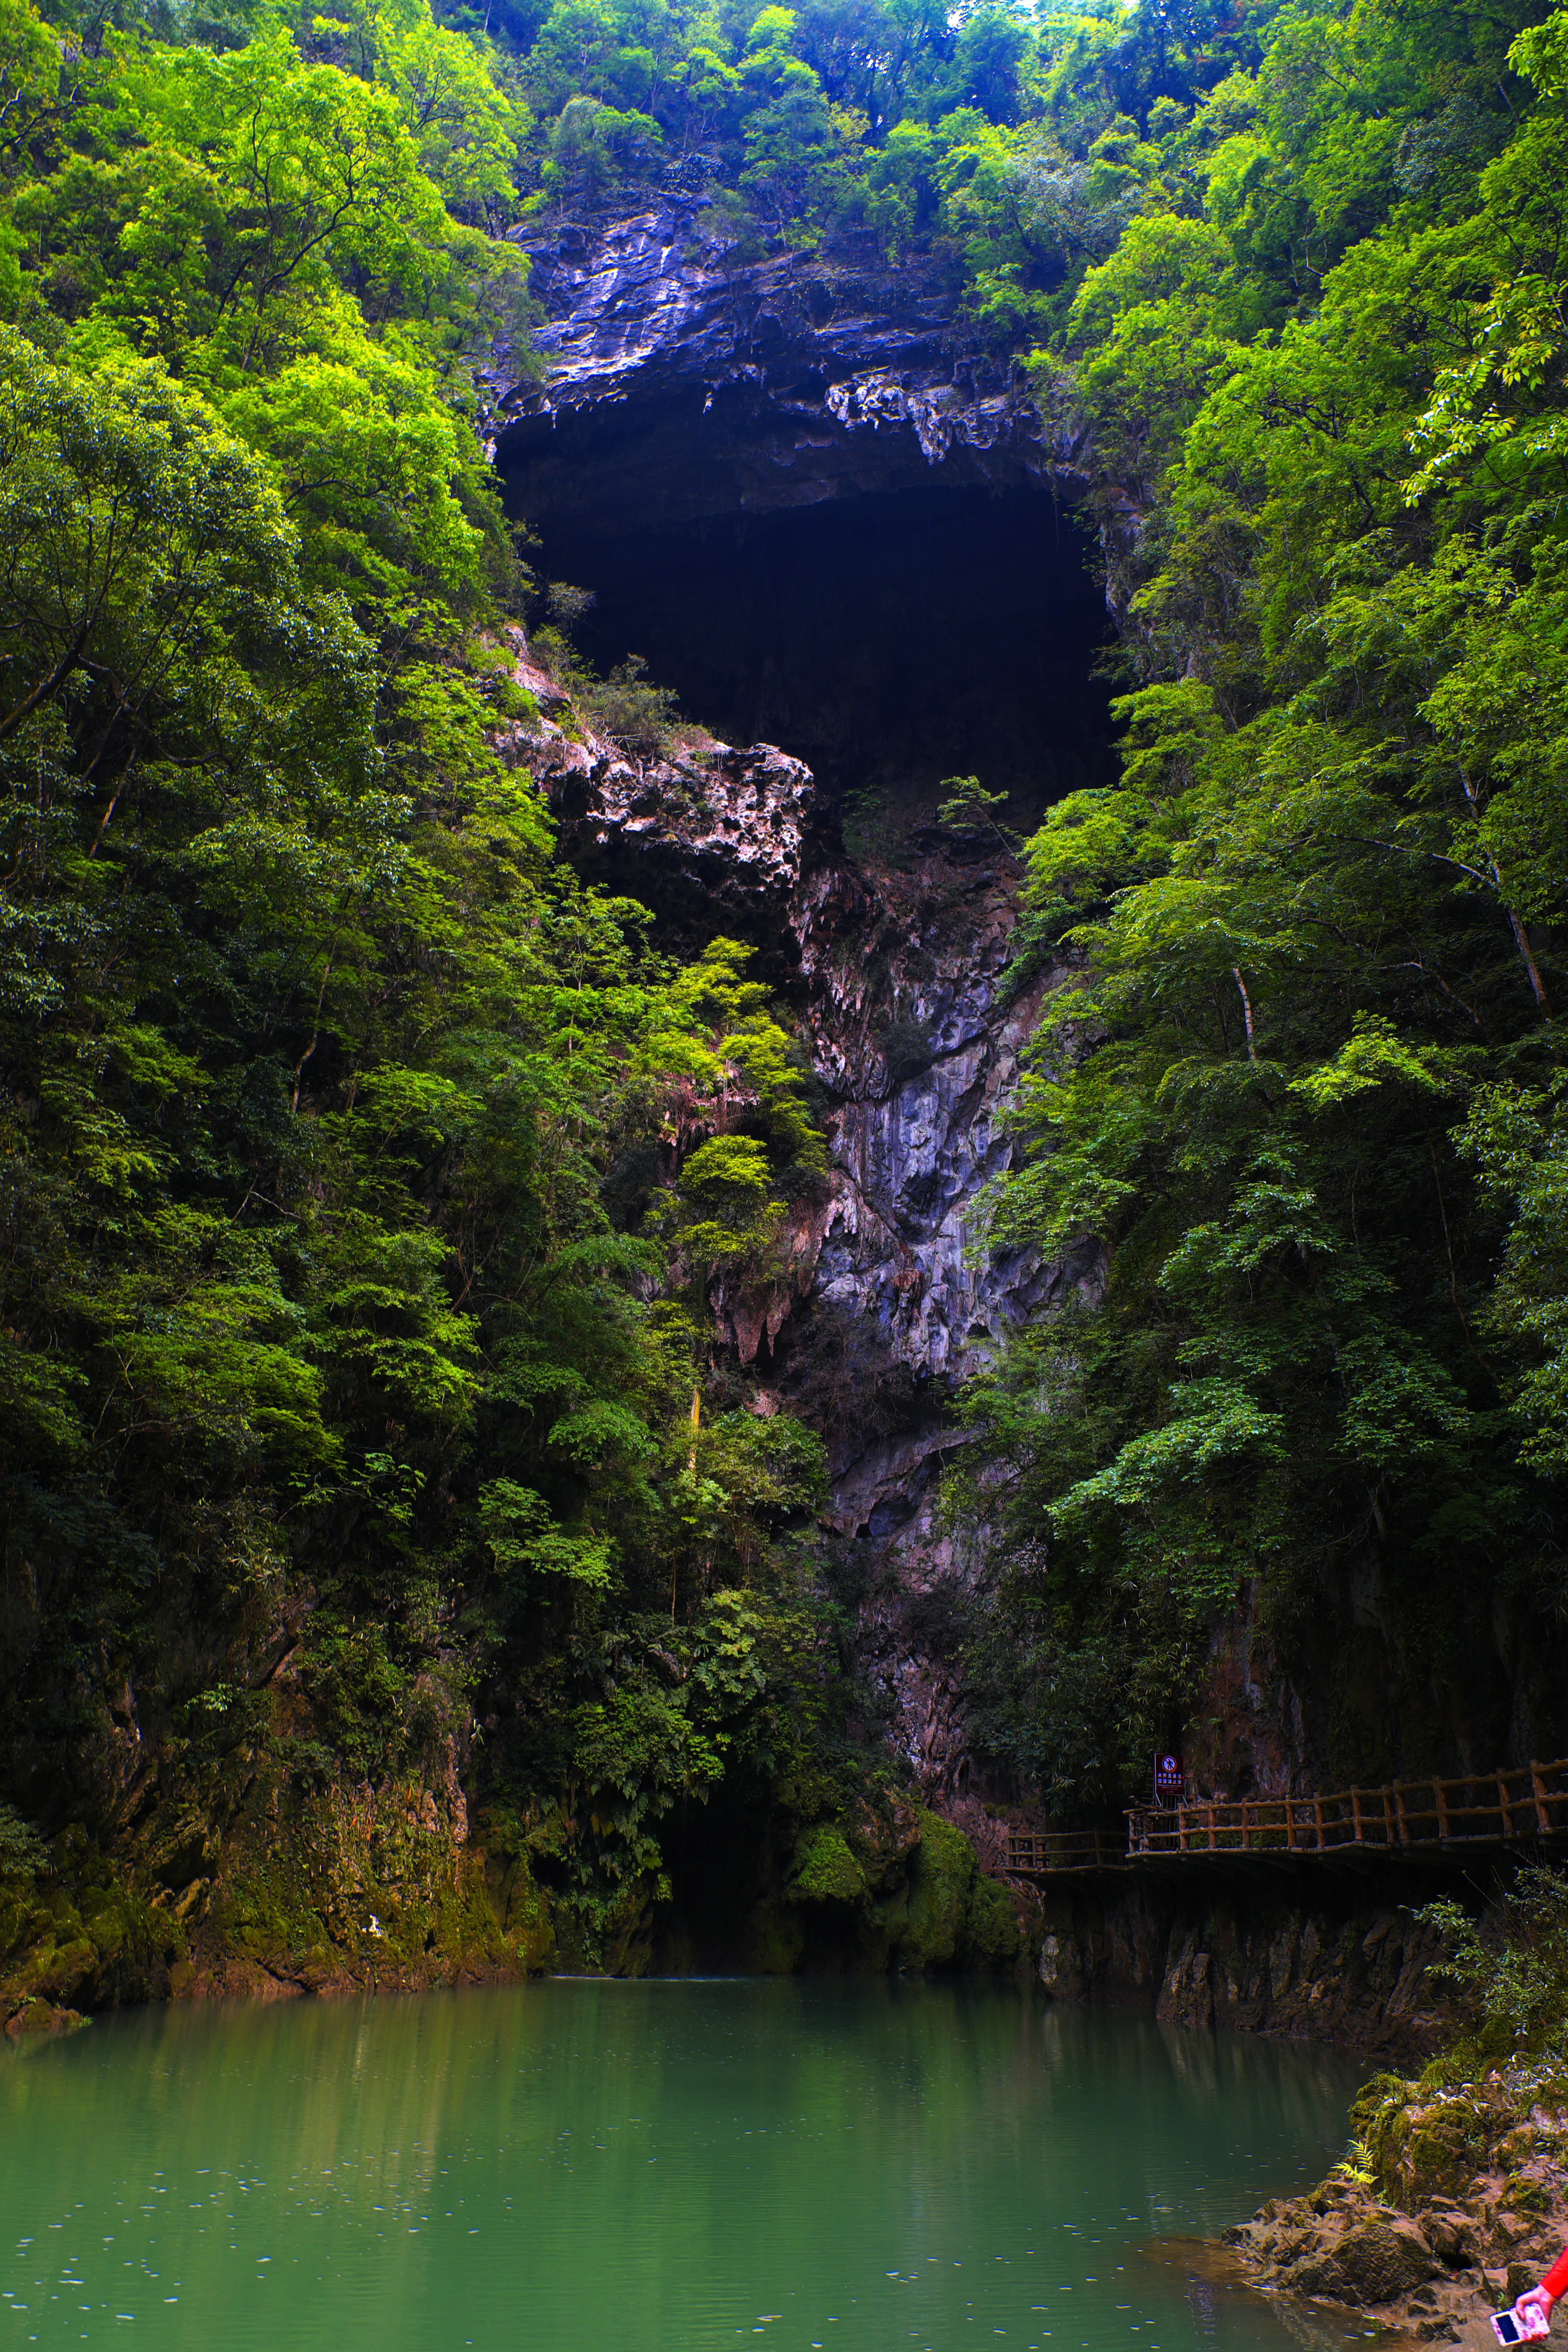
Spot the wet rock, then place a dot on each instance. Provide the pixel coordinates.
(35, 2020)
(1373, 2262)
(1452, 2235)
(1337, 2246)
(1253, 1956)
(1060, 1969)
(1187, 1994)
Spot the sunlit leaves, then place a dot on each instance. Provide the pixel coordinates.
(523, 1539)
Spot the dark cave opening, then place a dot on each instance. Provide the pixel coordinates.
(887, 638)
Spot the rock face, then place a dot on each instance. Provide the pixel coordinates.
(824, 516)
(744, 387)
(916, 1027)
(1306, 1958)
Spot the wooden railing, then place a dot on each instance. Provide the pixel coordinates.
(1035, 1853)
(1476, 1809)
(1528, 1802)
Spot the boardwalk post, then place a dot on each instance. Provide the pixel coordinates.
(1538, 1787)
(1355, 1816)
(1504, 1805)
(1290, 1825)
(1390, 1832)
(1441, 1794)
(1317, 1820)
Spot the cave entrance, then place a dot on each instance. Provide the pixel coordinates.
(887, 638)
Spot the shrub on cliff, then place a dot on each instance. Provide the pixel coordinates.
(1511, 1969)
(632, 710)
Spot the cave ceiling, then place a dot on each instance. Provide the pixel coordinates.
(815, 513)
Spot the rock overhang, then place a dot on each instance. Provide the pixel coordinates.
(823, 514)
(689, 386)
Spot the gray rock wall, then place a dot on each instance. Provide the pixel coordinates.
(1327, 1959)
(756, 386)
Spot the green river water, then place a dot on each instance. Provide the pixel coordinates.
(666, 2166)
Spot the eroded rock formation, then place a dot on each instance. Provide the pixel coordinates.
(745, 386)
(1320, 1958)
(889, 1297)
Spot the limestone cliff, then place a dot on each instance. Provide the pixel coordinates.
(806, 493)
(813, 450)
(822, 511)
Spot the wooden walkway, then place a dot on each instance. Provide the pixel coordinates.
(1048, 1853)
(1527, 1804)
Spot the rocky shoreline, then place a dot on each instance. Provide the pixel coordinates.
(1452, 2202)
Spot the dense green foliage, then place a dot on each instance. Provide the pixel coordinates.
(354, 1308)
(367, 1179)
(1306, 1096)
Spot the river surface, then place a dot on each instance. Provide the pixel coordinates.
(668, 2167)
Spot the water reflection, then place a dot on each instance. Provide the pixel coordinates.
(654, 2168)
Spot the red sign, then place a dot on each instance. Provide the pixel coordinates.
(1169, 1779)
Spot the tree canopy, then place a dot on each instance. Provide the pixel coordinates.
(344, 1225)
(1305, 1093)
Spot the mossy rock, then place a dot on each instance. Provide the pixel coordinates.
(527, 1927)
(1429, 2151)
(825, 1869)
(60, 1971)
(935, 1911)
(18, 1906)
(995, 1940)
(1376, 2260)
(1376, 2101)
(776, 1939)
(885, 1836)
(37, 2020)
(108, 1919)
